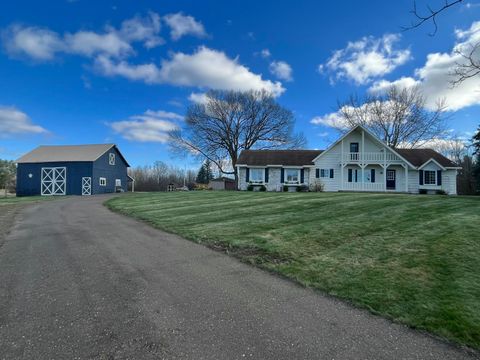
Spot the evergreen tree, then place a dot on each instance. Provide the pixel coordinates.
(208, 171)
(201, 175)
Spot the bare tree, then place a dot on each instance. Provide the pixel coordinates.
(469, 65)
(431, 15)
(398, 116)
(232, 121)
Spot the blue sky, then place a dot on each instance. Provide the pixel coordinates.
(83, 71)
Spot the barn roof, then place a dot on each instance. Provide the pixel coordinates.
(277, 157)
(67, 153)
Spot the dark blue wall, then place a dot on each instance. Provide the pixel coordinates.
(75, 171)
(32, 186)
(101, 168)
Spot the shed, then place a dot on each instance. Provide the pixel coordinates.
(72, 170)
(222, 183)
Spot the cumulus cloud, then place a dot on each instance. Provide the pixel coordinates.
(435, 77)
(205, 68)
(151, 126)
(199, 98)
(281, 70)
(333, 120)
(15, 122)
(44, 44)
(366, 59)
(181, 25)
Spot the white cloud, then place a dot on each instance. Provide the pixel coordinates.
(151, 126)
(333, 120)
(265, 53)
(44, 44)
(199, 98)
(205, 68)
(435, 77)
(281, 70)
(15, 122)
(181, 25)
(366, 59)
(37, 43)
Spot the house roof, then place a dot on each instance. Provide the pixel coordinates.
(418, 157)
(277, 157)
(67, 153)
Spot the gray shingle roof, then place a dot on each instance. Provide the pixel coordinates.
(277, 157)
(65, 153)
(418, 157)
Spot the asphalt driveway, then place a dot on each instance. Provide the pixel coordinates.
(80, 282)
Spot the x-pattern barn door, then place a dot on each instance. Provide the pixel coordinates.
(54, 180)
(86, 186)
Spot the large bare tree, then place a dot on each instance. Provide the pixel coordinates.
(397, 116)
(231, 121)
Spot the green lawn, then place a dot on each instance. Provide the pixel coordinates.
(412, 258)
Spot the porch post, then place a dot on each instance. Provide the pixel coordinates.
(406, 178)
(385, 178)
(363, 176)
(342, 168)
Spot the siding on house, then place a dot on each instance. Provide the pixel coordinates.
(102, 168)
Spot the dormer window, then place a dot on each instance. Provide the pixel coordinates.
(111, 159)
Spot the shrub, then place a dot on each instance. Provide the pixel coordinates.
(285, 188)
(423, 191)
(317, 187)
(441, 192)
(250, 187)
(263, 188)
(302, 188)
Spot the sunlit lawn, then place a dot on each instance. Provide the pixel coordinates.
(415, 259)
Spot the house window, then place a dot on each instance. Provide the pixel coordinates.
(256, 175)
(429, 177)
(352, 175)
(354, 147)
(292, 176)
(111, 159)
(326, 173)
(118, 182)
(103, 181)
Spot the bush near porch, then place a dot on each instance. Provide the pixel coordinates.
(414, 259)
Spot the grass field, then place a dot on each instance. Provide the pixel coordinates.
(414, 259)
(12, 200)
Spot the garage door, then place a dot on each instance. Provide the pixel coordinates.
(54, 180)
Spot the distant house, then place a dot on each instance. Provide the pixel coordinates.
(72, 170)
(222, 183)
(358, 161)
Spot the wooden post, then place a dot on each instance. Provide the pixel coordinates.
(342, 168)
(406, 178)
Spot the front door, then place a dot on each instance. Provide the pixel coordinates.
(391, 179)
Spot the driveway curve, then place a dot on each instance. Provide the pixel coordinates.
(80, 282)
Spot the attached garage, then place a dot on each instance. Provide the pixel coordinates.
(72, 170)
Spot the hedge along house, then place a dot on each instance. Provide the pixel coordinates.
(72, 170)
(358, 161)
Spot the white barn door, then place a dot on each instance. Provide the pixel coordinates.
(86, 186)
(54, 181)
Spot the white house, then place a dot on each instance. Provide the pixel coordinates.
(358, 161)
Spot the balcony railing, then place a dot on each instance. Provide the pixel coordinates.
(377, 157)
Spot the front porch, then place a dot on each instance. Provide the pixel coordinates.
(375, 178)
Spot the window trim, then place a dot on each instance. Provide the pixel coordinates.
(425, 177)
(286, 176)
(102, 181)
(358, 147)
(262, 181)
(111, 158)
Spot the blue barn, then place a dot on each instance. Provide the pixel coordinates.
(72, 170)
